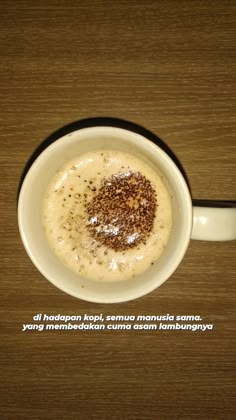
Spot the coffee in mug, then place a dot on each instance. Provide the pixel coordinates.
(75, 161)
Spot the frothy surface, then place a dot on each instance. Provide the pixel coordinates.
(107, 215)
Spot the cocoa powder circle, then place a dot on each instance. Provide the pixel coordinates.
(121, 214)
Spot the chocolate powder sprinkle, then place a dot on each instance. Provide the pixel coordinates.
(122, 213)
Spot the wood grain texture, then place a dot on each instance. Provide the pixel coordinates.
(169, 66)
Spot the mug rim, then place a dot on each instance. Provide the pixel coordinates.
(188, 205)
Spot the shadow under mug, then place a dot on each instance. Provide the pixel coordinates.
(196, 222)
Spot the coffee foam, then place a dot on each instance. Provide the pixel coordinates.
(65, 219)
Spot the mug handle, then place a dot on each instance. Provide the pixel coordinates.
(214, 220)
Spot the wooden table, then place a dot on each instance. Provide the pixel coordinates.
(170, 67)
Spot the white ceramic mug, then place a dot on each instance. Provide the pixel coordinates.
(188, 221)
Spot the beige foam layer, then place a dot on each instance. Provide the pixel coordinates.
(64, 217)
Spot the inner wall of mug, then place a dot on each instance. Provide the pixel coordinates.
(30, 206)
